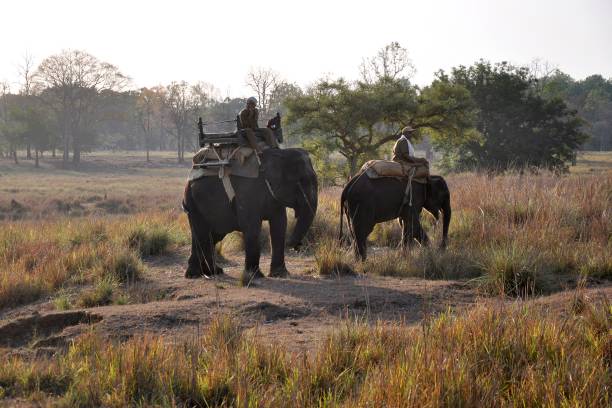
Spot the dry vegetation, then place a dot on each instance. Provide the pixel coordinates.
(487, 357)
(511, 235)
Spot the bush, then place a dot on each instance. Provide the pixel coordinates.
(333, 260)
(101, 295)
(149, 240)
(123, 266)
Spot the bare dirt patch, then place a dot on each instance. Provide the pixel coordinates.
(43, 329)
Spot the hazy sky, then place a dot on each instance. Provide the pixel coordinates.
(156, 42)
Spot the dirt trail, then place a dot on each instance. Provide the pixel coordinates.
(297, 311)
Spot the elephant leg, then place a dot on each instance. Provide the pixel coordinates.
(252, 250)
(363, 226)
(412, 230)
(278, 230)
(201, 261)
(217, 238)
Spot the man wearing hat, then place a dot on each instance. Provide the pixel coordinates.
(248, 121)
(403, 151)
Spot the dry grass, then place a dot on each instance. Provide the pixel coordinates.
(520, 234)
(489, 356)
(37, 258)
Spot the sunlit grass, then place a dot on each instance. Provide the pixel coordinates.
(489, 356)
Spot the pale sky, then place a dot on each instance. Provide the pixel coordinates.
(156, 42)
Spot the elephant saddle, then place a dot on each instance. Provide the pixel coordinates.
(418, 171)
(223, 161)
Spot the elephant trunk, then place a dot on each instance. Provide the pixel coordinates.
(305, 213)
(446, 211)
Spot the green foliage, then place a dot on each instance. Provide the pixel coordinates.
(355, 119)
(516, 127)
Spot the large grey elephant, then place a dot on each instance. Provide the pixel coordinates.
(287, 179)
(366, 202)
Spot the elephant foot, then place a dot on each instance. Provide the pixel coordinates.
(190, 273)
(279, 272)
(249, 275)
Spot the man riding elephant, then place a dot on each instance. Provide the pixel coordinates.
(403, 151)
(249, 117)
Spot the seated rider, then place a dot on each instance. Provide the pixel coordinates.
(248, 121)
(403, 151)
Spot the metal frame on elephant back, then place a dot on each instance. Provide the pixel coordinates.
(237, 137)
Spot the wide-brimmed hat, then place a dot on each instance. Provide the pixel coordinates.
(408, 129)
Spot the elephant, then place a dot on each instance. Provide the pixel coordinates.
(286, 179)
(366, 202)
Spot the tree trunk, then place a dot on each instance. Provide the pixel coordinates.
(353, 165)
(15, 156)
(66, 152)
(76, 151)
(178, 146)
(28, 152)
(36, 157)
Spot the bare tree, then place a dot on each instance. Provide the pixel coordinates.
(26, 72)
(145, 107)
(391, 61)
(4, 91)
(542, 70)
(263, 81)
(71, 83)
(183, 102)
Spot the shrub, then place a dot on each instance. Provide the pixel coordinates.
(122, 265)
(100, 295)
(149, 240)
(333, 260)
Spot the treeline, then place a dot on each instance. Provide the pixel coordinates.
(487, 115)
(73, 102)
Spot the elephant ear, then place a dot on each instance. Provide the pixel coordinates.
(283, 167)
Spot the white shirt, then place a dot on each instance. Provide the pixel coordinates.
(410, 147)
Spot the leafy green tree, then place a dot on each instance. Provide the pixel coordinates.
(516, 126)
(357, 119)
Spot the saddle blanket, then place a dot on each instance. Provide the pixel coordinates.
(241, 162)
(386, 168)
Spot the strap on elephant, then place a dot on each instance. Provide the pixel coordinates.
(408, 192)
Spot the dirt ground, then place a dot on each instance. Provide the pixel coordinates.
(296, 312)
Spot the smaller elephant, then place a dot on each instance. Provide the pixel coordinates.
(367, 202)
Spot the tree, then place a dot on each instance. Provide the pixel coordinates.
(183, 102)
(390, 62)
(32, 124)
(357, 119)
(145, 107)
(263, 81)
(71, 83)
(516, 127)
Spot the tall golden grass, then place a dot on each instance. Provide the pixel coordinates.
(38, 257)
(516, 234)
(490, 356)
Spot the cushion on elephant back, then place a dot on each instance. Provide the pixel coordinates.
(387, 168)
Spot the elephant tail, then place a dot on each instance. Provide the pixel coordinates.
(344, 210)
(342, 200)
